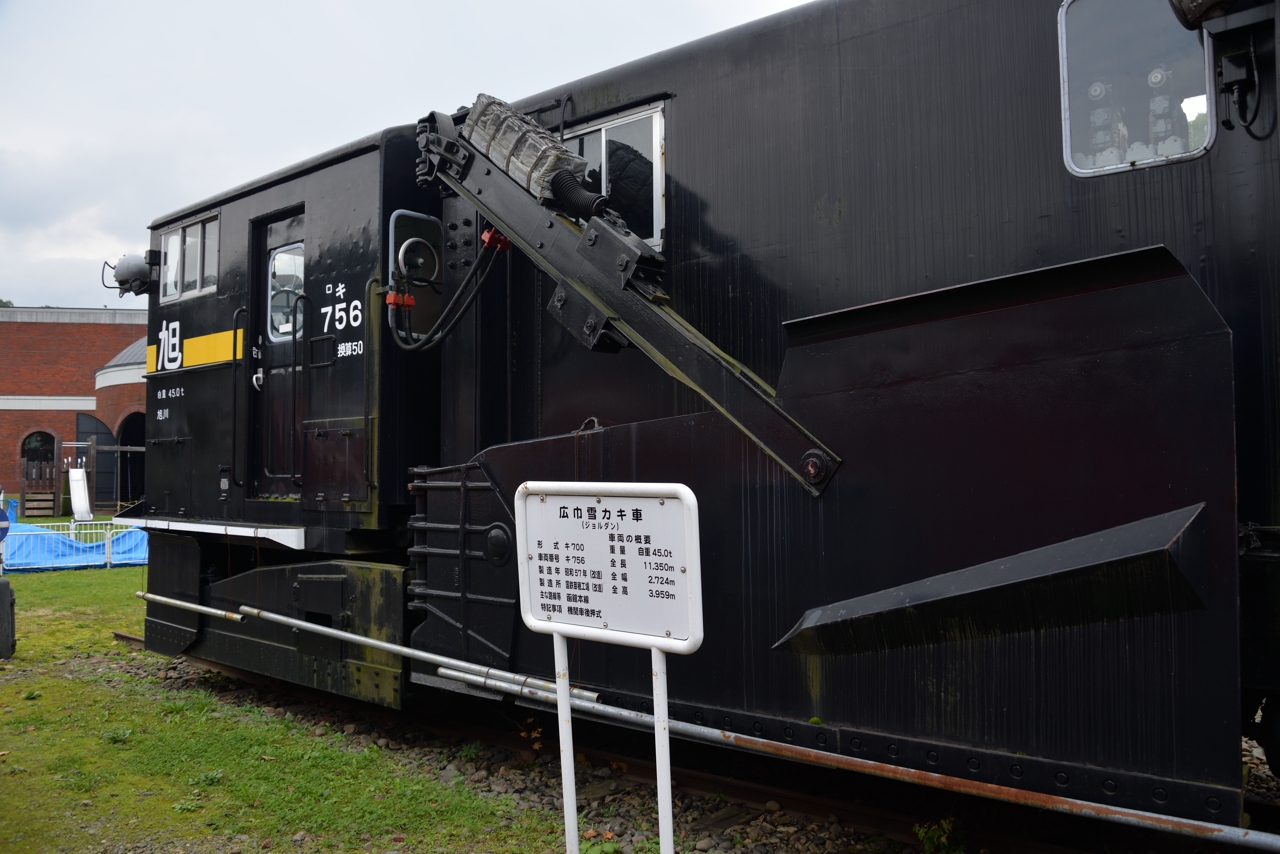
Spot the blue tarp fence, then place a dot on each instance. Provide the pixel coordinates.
(32, 548)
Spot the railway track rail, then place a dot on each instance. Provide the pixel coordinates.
(746, 784)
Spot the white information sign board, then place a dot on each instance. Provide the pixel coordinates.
(617, 563)
(611, 562)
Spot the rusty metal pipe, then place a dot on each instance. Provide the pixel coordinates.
(1251, 839)
(504, 677)
(188, 606)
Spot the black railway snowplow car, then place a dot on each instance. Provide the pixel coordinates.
(959, 320)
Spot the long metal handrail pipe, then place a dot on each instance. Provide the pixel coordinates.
(513, 679)
(505, 677)
(1244, 838)
(188, 606)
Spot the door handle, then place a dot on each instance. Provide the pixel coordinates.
(257, 380)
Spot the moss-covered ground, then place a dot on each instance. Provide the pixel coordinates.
(97, 753)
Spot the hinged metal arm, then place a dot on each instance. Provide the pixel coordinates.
(610, 293)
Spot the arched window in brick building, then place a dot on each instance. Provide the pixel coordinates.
(38, 447)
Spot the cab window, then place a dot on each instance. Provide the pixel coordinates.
(189, 260)
(286, 275)
(170, 261)
(625, 162)
(1134, 86)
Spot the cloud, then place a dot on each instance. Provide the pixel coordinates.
(115, 113)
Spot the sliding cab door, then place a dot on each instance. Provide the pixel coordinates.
(280, 379)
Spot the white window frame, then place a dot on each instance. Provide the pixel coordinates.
(657, 111)
(271, 259)
(1211, 100)
(180, 230)
(175, 265)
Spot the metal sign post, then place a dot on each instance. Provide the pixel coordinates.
(616, 563)
(565, 713)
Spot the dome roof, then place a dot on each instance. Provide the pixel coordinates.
(134, 354)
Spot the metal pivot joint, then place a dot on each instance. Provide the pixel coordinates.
(610, 292)
(815, 466)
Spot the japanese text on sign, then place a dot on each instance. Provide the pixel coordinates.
(608, 562)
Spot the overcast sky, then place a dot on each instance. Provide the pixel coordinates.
(112, 114)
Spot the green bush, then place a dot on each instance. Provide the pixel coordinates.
(940, 837)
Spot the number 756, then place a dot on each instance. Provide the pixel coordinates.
(341, 313)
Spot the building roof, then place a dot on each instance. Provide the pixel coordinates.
(126, 367)
(134, 354)
(74, 315)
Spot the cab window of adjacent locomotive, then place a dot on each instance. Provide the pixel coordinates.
(1135, 86)
(170, 261)
(191, 258)
(285, 273)
(209, 263)
(629, 173)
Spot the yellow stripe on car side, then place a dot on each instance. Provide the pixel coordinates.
(204, 350)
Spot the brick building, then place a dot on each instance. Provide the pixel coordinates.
(67, 374)
(120, 388)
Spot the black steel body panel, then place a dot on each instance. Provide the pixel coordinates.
(965, 442)
(174, 568)
(841, 154)
(367, 599)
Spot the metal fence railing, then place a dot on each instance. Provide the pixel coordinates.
(72, 545)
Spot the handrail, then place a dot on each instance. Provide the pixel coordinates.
(369, 303)
(190, 606)
(295, 475)
(235, 391)
(514, 680)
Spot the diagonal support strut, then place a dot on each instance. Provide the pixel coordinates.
(614, 280)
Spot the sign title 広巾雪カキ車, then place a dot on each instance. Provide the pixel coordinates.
(617, 564)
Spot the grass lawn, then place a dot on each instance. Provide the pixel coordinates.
(96, 752)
